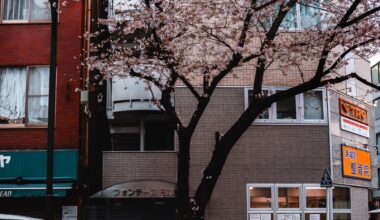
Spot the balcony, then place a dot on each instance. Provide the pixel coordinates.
(124, 166)
(125, 94)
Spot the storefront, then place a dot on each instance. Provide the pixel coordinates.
(143, 200)
(23, 180)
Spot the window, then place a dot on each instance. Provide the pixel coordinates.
(313, 105)
(24, 11)
(304, 15)
(260, 197)
(24, 93)
(286, 109)
(341, 203)
(315, 197)
(309, 107)
(151, 132)
(286, 201)
(288, 197)
(375, 71)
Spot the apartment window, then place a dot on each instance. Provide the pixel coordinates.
(341, 203)
(286, 109)
(304, 15)
(145, 133)
(265, 114)
(24, 93)
(313, 105)
(309, 107)
(24, 11)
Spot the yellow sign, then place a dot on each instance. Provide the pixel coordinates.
(356, 163)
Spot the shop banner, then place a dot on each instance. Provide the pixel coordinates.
(356, 163)
(354, 127)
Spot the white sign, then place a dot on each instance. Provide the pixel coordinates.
(296, 217)
(280, 217)
(354, 127)
(254, 217)
(288, 217)
(266, 217)
(69, 212)
(315, 217)
(4, 160)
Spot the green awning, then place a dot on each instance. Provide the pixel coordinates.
(23, 173)
(32, 190)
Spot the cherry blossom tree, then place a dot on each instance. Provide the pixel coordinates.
(198, 44)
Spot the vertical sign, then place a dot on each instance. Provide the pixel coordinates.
(356, 163)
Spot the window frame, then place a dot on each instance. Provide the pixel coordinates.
(299, 186)
(300, 111)
(26, 122)
(141, 126)
(341, 211)
(260, 210)
(27, 21)
(324, 108)
(297, 102)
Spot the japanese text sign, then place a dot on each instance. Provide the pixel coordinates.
(356, 163)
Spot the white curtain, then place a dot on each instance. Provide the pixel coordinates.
(12, 93)
(16, 10)
(38, 94)
(40, 10)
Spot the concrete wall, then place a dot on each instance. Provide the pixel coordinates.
(340, 136)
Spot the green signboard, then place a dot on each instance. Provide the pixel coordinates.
(31, 165)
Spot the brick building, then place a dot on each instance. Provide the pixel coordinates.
(273, 172)
(24, 79)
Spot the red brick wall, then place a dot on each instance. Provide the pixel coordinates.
(29, 44)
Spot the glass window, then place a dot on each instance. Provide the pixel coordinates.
(290, 20)
(39, 10)
(15, 93)
(342, 216)
(288, 197)
(12, 95)
(126, 141)
(313, 105)
(286, 109)
(310, 13)
(315, 197)
(16, 10)
(260, 197)
(375, 74)
(25, 10)
(312, 216)
(159, 135)
(265, 113)
(38, 95)
(341, 198)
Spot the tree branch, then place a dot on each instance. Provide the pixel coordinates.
(270, 35)
(337, 61)
(362, 16)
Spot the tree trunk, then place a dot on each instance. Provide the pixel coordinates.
(183, 171)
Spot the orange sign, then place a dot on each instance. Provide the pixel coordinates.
(353, 111)
(356, 163)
